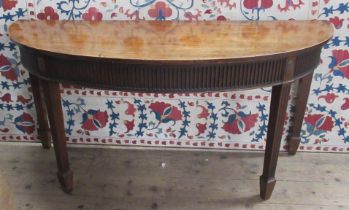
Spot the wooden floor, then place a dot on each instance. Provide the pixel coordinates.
(132, 179)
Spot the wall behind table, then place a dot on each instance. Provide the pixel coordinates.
(211, 120)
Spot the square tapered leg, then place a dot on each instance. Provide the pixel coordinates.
(44, 131)
(278, 107)
(301, 104)
(55, 114)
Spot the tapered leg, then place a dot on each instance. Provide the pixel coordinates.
(41, 112)
(277, 116)
(301, 104)
(55, 114)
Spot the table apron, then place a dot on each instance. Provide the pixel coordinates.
(172, 77)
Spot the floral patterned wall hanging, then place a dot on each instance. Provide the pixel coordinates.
(229, 120)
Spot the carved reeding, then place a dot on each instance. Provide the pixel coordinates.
(171, 77)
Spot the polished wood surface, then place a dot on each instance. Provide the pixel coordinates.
(154, 40)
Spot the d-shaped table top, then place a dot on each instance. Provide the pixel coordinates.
(170, 41)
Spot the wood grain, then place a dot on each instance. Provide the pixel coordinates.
(201, 180)
(153, 40)
(6, 197)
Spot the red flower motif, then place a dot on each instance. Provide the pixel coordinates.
(160, 11)
(258, 4)
(201, 128)
(340, 63)
(337, 23)
(319, 122)
(209, 11)
(93, 120)
(8, 4)
(9, 68)
(204, 113)
(6, 98)
(92, 15)
(240, 122)
(25, 123)
(129, 125)
(23, 100)
(345, 105)
(329, 97)
(290, 3)
(165, 112)
(130, 109)
(48, 14)
(221, 18)
(4, 130)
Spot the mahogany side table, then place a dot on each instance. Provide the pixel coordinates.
(150, 56)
